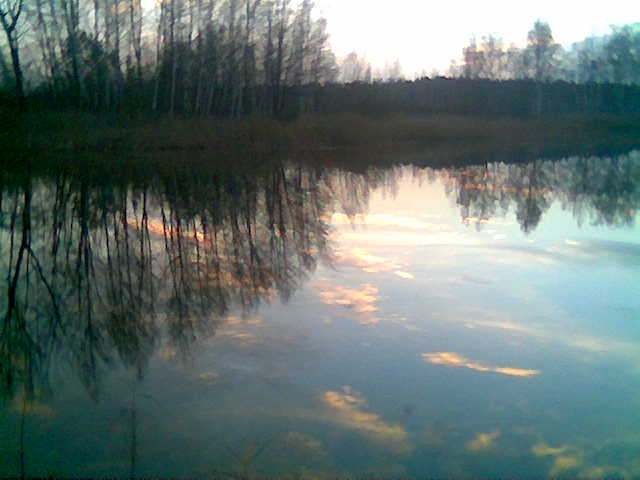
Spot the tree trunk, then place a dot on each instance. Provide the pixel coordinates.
(4, 69)
(159, 56)
(174, 59)
(17, 70)
(9, 25)
(72, 21)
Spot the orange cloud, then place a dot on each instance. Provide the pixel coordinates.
(348, 407)
(388, 220)
(360, 258)
(362, 301)
(453, 359)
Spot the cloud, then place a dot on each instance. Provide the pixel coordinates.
(158, 228)
(243, 338)
(389, 229)
(410, 238)
(388, 220)
(563, 463)
(210, 377)
(244, 332)
(565, 458)
(483, 441)
(233, 320)
(303, 443)
(407, 275)
(504, 325)
(585, 458)
(369, 263)
(405, 323)
(462, 279)
(602, 345)
(362, 301)
(453, 359)
(572, 243)
(544, 450)
(486, 221)
(348, 409)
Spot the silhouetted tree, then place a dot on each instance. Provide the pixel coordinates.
(10, 13)
(540, 52)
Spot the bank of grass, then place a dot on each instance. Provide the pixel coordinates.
(79, 132)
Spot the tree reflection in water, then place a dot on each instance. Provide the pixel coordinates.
(99, 266)
(105, 265)
(596, 189)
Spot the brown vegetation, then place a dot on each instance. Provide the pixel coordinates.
(75, 132)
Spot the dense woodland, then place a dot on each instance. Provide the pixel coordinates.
(235, 57)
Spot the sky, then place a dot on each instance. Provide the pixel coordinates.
(424, 35)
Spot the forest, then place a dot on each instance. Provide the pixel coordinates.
(229, 58)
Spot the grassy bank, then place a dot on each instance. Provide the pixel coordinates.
(77, 132)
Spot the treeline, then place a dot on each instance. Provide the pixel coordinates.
(597, 75)
(194, 57)
(613, 58)
(272, 57)
(479, 96)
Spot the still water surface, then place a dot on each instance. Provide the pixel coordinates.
(313, 322)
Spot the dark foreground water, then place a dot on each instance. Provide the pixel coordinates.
(312, 322)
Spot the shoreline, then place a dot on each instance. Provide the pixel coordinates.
(70, 133)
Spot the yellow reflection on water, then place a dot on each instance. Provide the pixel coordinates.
(362, 301)
(483, 441)
(453, 359)
(367, 262)
(348, 408)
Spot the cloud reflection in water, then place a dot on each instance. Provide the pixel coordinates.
(453, 359)
(348, 407)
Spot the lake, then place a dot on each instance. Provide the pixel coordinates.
(314, 319)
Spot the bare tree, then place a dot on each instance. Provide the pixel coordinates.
(323, 66)
(249, 54)
(46, 41)
(10, 12)
(283, 14)
(135, 35)
(300, 43)
(71, 11)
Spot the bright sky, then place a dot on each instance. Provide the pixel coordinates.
(426, 34)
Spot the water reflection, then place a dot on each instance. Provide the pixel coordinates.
(601, 190)
(104, 265)
(100, 267)
(104, 269)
